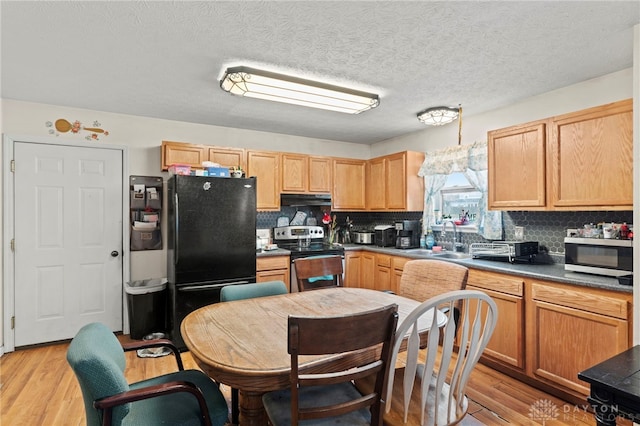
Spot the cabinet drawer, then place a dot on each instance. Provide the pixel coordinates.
(272, 262)
(384, 260)
(582, 300)
(399, 262)
(496, 282)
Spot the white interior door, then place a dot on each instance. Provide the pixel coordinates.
(68, 240)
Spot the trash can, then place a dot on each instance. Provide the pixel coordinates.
(147, 305)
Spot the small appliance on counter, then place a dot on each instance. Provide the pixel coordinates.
(408, 234)
(600, 256)
(363, 237)
(385, 235)
(509, 251)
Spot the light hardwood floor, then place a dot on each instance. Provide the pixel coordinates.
(37, 387)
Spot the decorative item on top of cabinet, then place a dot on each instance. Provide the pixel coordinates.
(265, 166)
(145, 204)
(591, 158)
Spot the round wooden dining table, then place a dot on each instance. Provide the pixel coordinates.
(243, 343)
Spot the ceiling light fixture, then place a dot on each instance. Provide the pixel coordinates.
(437, 116)
(253, 83)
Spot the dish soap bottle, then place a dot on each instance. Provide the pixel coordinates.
(429, 240)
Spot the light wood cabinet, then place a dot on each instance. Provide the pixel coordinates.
(404, 188)
(516, 167)
(547, 331)
(265, 166)
(393, 182)
(193, 155)
(348, 184)
(376, 186)
(368, 270)
(591, 158)
(182, 153)
(383, 272)
(227, 157)
(398, 267)
(577, 161)
(508, 340)
(303, 173)
(571, 329)
(320, 174)
(273, 268)
(352, 260)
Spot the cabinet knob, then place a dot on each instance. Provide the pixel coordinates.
(115, 253)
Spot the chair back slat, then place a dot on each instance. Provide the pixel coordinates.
(318, 272)
(449, 357)
(372, 331)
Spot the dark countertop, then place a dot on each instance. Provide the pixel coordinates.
(549, 272)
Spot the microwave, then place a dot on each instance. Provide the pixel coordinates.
(599, 256)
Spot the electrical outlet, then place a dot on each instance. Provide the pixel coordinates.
(519, 233)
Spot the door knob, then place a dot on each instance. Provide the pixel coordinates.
(114, 253)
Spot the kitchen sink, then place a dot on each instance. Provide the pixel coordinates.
(442, 254)
(452, 255)
(423, 252)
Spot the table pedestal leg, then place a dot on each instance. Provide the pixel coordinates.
(251, 409)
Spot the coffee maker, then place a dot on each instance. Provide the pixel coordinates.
(408, 234)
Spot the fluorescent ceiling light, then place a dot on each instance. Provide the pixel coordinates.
(437, 116)
(253, 83)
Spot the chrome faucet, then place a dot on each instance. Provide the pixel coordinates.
(456, 245)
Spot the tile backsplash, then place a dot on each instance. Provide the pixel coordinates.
(548, 228)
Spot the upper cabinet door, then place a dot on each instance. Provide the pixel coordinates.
(295, 169)
(182, 153)
(591, 158)
(320, 174)
(516, 169)
(265, 166)
(348, 184)
(227, 157)
(375, 189)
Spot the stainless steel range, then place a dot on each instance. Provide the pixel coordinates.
(304, 241)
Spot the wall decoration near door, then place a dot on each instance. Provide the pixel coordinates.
(145, 204)
(62, 125)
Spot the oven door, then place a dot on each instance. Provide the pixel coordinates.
(602, 257)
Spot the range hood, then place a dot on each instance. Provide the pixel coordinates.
(305, 200)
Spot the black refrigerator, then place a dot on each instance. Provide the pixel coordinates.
(211, 241)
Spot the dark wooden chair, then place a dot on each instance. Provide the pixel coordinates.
(318, 272)
(328, 396)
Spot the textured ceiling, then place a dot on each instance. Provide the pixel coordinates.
(164, 59)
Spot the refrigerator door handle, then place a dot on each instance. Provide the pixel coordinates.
(175, 226)
(209, 286)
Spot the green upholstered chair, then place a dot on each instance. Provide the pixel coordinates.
(185, 397)
(253, 290)
(248, 291)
